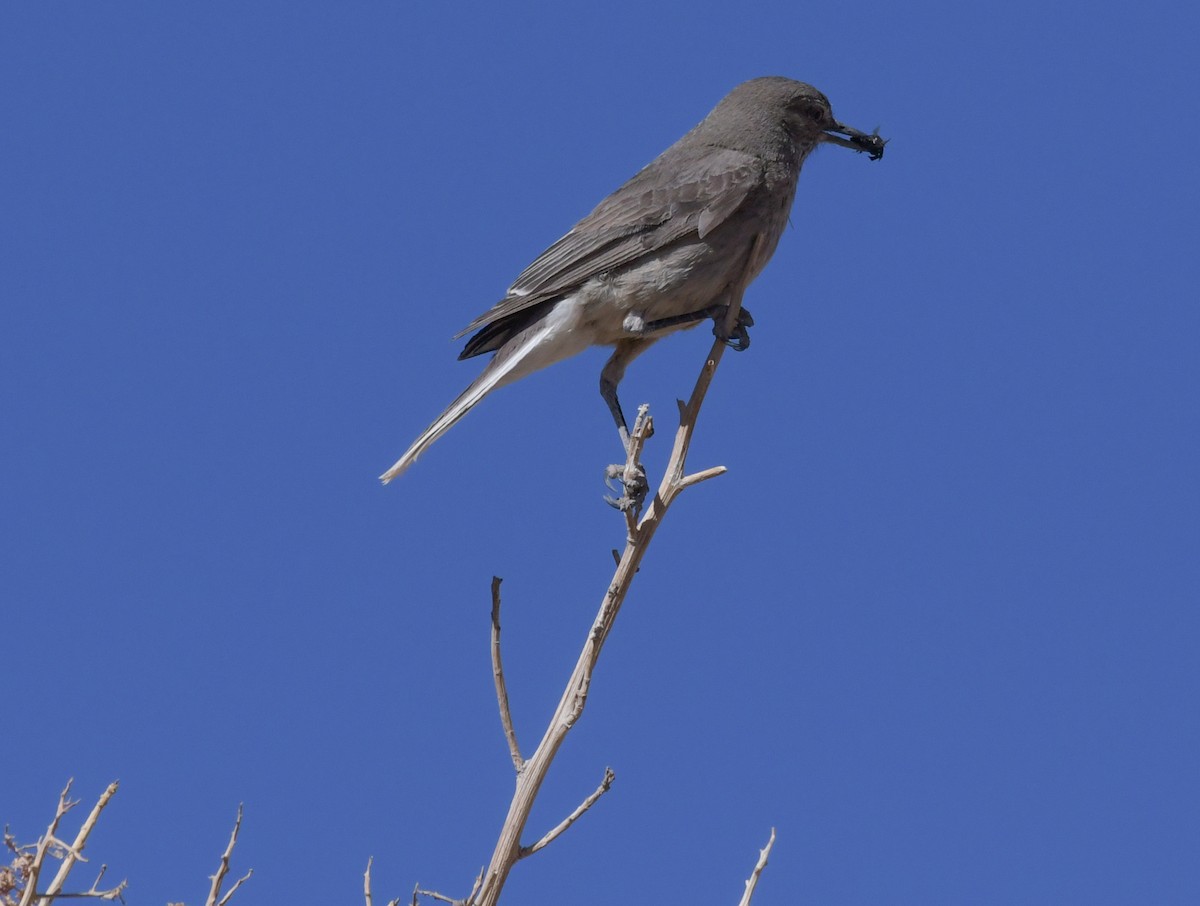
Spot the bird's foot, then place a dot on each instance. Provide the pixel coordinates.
(634, 486)
(739, 338)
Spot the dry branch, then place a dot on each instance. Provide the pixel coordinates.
(639, 532)
(29, 863)
(514, 750)
(752, 881)
(367, 887)
(74, 852)
(604, 787)
(214, 892)
(70, 853)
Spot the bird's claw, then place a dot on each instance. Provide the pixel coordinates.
(634, 486)
(739, 338)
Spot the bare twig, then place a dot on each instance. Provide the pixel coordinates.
(214, 893)
(752, 881)
(703, 475)
(367, 887)
(234, 889)
(434, 895)
(74, 852)
(501, 689)
(47, 841)
(474, 888)
(33, 864)
(113, 893)
(639, 534)
(587, 803)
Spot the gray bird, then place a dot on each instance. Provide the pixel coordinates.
(662, 252)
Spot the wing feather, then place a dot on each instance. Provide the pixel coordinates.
(693, 192)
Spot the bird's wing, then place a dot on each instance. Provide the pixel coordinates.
(694, 192)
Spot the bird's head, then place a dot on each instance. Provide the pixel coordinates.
(801, 110)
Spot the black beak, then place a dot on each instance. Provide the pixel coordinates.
(849, 137)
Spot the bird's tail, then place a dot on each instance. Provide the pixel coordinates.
(513, 361)
(466, 401)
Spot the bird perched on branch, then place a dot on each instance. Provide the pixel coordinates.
(661, 253)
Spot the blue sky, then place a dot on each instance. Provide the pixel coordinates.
(938, 624)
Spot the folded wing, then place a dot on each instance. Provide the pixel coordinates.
(694, 195)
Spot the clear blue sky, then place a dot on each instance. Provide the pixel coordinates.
(938, 624)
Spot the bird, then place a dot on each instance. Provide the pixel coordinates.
(662, 253)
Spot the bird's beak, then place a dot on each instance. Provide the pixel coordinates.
(849, 137)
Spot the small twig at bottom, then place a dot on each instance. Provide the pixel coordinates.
(474, 889)
(214, 892)
(48, 841)
(434, 895)
(752, 881)
(367, 886)
(70, 853)
(703, 475)
(510, 734)
(587, 803)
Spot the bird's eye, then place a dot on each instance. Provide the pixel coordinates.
(814, 110)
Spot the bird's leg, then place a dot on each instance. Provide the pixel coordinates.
(614, 370)
(608, 390)
(633, 481)
(684, 320)
(738, 340)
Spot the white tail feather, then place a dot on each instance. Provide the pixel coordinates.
(466, 401)
(507, 365)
